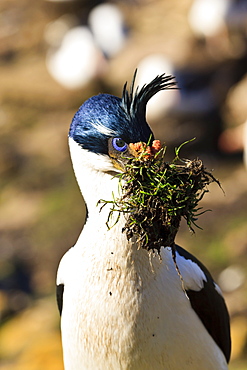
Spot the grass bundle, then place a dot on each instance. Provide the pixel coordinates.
(157, 194)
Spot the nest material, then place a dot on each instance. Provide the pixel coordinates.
(157, 194)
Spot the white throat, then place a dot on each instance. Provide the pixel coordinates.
(95, 176)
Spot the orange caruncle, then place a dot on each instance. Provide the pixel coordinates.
(156, 146)
(142, 148)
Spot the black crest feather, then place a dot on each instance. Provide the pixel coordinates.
(134, 102)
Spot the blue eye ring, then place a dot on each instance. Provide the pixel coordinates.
(119, 144)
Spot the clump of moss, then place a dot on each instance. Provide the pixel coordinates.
(158, 194)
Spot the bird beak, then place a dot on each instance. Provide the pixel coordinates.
(120, 159)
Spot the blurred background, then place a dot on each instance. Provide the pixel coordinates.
(56, 54)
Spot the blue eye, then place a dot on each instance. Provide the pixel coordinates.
(119, 144)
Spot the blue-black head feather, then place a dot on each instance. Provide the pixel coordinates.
(104, 116)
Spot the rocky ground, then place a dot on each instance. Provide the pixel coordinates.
(41, 208)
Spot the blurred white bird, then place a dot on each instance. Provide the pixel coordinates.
(79, 53)
(207, 17)
(107, 24)
(77, 60)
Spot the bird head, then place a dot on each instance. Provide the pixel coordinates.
(105, 125)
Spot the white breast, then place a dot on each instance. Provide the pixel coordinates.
(125, 309)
